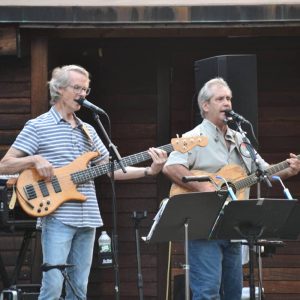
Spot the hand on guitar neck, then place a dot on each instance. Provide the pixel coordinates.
(293, 167)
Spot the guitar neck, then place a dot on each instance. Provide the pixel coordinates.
(252, 179)
(96, 171)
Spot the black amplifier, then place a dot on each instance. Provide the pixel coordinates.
(16, 218)
(21, 292)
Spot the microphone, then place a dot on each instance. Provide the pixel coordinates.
(91, 106)
(203, 178)
(235, 116)
(46, 267)
(229, 189)
(285, 189)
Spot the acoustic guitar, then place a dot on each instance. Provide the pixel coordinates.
(235, 176)
(39, 198)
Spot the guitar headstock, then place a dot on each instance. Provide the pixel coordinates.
(184, 145)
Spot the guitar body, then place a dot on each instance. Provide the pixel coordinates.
(38, 197)
(232, 173)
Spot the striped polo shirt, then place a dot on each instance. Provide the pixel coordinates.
(50, 136)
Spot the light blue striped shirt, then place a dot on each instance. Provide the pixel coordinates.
(50, 136)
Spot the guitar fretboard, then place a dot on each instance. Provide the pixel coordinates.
(96, 171)
(252, 179)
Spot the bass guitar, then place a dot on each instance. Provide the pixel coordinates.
(235, 176)
(39, 198)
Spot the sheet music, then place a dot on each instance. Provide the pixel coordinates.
(156, 219)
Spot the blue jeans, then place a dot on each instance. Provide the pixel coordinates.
(215, 270)
(63, 244)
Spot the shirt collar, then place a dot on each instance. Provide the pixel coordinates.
(58, 118)
(214, 130)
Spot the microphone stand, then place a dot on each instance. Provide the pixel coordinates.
(63, 269)
(260, 173)
(137, 218)
(114, 157)
(253, 236)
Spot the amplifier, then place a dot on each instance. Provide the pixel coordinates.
(11, 294)
(12, 219)
(21, 292)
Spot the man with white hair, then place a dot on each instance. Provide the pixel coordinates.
(53, 140)
(215, 265)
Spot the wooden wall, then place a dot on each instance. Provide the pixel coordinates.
(15, 98)
(125, 83)
(15, 110)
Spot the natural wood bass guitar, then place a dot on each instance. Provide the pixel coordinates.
(38, 197)
(235, 176)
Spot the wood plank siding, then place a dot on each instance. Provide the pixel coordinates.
(144, 80)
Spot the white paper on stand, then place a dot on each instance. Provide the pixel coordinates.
(156, 219)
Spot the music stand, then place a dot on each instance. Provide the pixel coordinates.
(188, 216)
(291, 229)
(252, 220)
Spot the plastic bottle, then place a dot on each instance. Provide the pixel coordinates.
(105, 251)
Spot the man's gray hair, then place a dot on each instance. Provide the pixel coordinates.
(206, 92)
(61, 79)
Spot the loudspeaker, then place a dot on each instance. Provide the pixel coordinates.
(240, 72)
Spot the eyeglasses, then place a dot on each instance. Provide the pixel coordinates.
(77, 89)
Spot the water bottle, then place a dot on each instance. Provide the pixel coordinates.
(105, 253)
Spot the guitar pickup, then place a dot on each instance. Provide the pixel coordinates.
(56, 185)
(43, 188)
(30, 192)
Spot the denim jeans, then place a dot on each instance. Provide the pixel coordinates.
(215, 270)
(63, 244)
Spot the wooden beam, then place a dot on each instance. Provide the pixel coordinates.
(97, 3)
(8, 41)
(39, 75)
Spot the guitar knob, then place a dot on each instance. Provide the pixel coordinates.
(39, 210)
(41, 204)
(48, 202)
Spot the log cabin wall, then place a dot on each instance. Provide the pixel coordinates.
(15, 109)
(137, 80)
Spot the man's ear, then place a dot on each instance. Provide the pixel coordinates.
(205, 106)
(59, 91)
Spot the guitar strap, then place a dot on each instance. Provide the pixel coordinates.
(241, 157)
(86, 132)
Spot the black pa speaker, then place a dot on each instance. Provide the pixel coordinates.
(240, 72)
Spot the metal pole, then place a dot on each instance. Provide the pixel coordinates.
(186, 266)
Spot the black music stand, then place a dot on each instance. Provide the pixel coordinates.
(252, 220)
(291, 229)
(187, 217)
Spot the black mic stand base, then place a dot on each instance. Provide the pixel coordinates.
(137, 217)
(63, 270)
